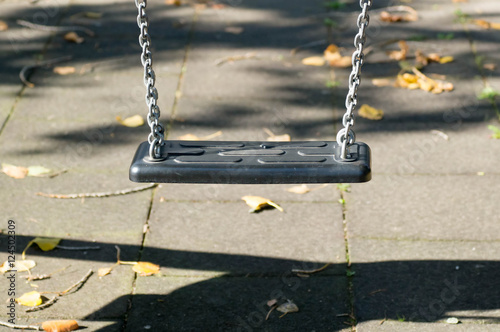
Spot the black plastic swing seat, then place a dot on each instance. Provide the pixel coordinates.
(226, 162)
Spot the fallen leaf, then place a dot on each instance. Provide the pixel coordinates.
(440, 134)
(399, 14)
(64, 70)
(371, 113)
(73, 37)
(60, 325)
(452, 320)
(173, 2)
(401, 54)
(335, 59)
(103, 271)
(3, 25)
(495, 130)
(277, 138)
(446, 59)
(31, 299)
(38, 171)
(382, 81)
(490, 66)
(24, 265)
(314, 61)
(192, 137)
(257, 203)
(487, 25)
(133, 121)
(460, 0)
(420, 81)
(16, 172)
(234, 30)
(302, 189)
(272, 302)
(288, 307)
(46, 243)
(146, 268)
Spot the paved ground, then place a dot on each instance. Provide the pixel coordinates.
(418, 244)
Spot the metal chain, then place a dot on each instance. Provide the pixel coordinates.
(156, 137)
(346, 135)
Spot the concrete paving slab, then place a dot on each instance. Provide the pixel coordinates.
(424, 207)
(389, 326)
(239, 242)
(237, 304)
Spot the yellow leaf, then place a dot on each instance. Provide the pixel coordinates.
(3, 26)
(60, 325)
(288, 307)
(302, 189)
(19, 266)
(173, 2)
(257, 203)
(45, 243)
(314, 61)
(342, 62)
(400, 14)
(446, 59)
(370, 113)
(38, 171)
(16, 172)
(73, 37)
(487, 25)
(64, 70)
(146, 268)
(31, 299)
(279, 138)
(103, 271)
(133, 121)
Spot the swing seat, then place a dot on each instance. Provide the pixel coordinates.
(226, 162)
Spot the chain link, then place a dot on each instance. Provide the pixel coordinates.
(157, 136)
(346, 135)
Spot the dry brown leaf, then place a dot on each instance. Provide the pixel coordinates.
(460, 0)
(314, 61)
(335, 59)
(301, 190)
(3, 25)
(31, 299)
(400, 14)
(132, 122)
(288, 307)
(146, 268)
(371, 113)
(487, 25)
(103, 271)
(16, 172)
(420, 81)
(257, 203)
(382, 81)
(192, 137)
(173, 2)
(401, 54)
(60, 325)
(234, 30)
(64, 70)
(72, 37)
(277, 138)
(490, 66)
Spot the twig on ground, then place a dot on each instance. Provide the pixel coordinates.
(50, 302)
(100, 195)
(312, 271)
(250, 55)
(77, 248)
(43, 276)
(45, 305)
(271, 310)
(35, 26)
(21, 327)
(25, 69)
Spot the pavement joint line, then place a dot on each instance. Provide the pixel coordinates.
(402, 239)
(479, 68)
(240, 200)
(43, 51)
(139, 256)
(180, 82)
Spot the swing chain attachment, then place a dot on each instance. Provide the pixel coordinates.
(156, 137)
(346, 136)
